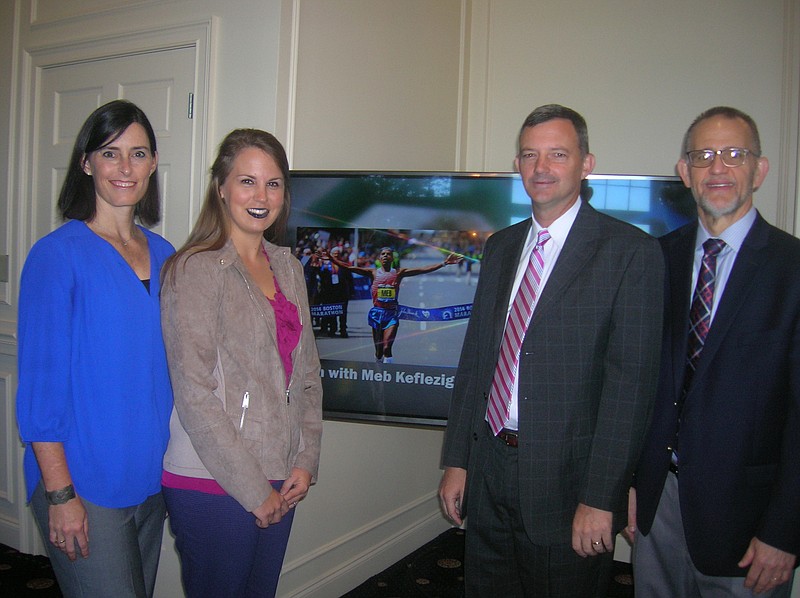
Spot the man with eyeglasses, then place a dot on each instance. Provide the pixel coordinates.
(717, 497)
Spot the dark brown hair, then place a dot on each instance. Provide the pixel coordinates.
(77, 199)
(548, 112)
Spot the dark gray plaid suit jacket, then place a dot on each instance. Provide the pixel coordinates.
(588, 370)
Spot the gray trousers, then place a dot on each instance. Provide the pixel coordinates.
(662, 567)
(124, 546)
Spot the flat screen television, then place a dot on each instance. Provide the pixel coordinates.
(422, 217)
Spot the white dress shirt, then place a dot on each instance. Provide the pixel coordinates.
(558, 230)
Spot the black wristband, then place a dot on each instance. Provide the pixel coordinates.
(59, 497)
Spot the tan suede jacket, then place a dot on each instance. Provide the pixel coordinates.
(220, 336)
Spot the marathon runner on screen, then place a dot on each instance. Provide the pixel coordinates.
(384, 316)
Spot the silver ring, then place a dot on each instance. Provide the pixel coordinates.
(595, 543)
(61, 541)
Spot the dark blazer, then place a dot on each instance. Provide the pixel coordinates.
(588, 370)
(739, 473)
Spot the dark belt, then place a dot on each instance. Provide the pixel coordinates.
(673, 468)
(509, 437)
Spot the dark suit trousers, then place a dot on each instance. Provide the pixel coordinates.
(500, 558)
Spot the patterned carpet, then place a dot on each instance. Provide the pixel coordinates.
(433, 571)
(436, 571)
(26, 576)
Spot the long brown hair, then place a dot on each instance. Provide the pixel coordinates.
(212, 229)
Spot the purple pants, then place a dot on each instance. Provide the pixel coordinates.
(222, 550)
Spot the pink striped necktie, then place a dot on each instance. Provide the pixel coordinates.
(518, 319)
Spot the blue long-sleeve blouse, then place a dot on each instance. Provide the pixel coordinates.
(92, 365)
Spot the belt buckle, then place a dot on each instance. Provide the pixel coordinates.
(509, 437)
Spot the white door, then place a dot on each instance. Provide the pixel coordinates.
(161, 83)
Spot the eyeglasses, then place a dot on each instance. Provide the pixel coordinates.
(730, 156)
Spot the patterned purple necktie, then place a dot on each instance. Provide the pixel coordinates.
(518, 319)
(700, 312)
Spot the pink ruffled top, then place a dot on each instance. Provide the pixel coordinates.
(288, 328)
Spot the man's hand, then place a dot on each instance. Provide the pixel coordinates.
(769, 566)
(630, 531)
(591, 531)
(451, 493)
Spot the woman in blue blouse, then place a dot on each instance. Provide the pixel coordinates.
(94, 395)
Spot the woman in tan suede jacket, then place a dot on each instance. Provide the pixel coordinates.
(246, 430)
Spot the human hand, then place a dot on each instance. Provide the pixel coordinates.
(271, 510)
(591, 531)
(296, 486)
(769, 566)
(451, 493)
(453, 258)
(69, 524)
(630, 531)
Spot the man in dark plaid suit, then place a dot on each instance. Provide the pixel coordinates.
(545, 496)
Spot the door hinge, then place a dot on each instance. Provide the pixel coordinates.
(190, 111)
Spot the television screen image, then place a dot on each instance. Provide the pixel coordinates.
(342, 221)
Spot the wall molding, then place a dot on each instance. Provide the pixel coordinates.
(8, 419)
(45, 13)
(286, 100)
(8, 338)
(350, 559)
(191, 33)
(475, 114)
(788, 215)
(9, 530)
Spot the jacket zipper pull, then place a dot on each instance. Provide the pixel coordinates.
(245, 405)
(287, 396)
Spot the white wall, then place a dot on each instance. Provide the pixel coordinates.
(638, 71)
(377, 83)
(428, 85)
